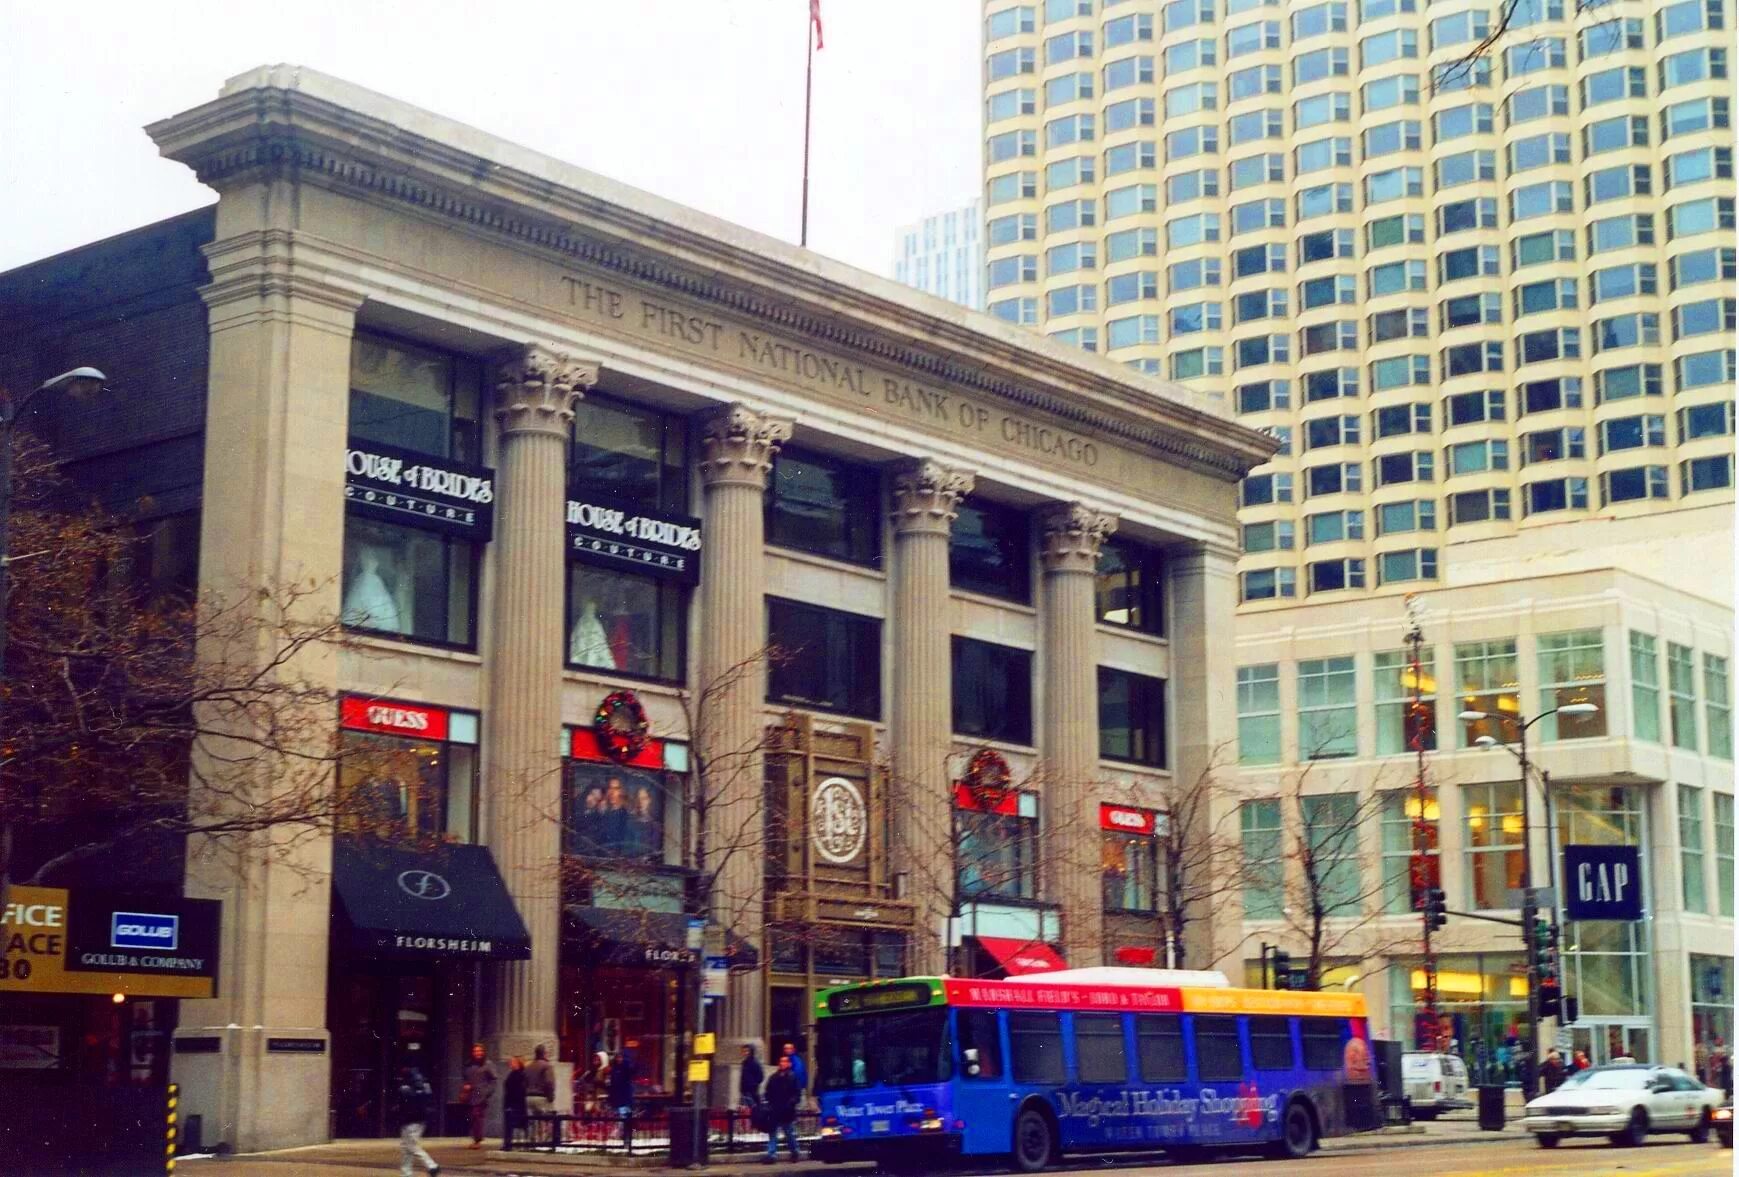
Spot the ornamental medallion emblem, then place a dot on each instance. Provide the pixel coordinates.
(838, 821)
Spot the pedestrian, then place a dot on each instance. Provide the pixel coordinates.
(1724, 1069)
(621, 1089)
(1552, 1071)
(799, 1069)
(540, 1085)
(1582, 1063)
(414, 1098)
(781, 1098)
(749, 1079)
(480, 1080)
(512, 1102)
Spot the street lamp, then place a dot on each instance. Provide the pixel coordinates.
(1469, 715)
(76, 382)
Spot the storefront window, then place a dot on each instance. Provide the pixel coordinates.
(1711, 1013)
(997, 847)
(407, 772)
(992, 691)
(1483, 1002)
(409, 582)
(1131, 717)
(989, 551)
(1494, 845)
(1604, 963)
(1128, 588)
(826, 506)
(620, 813)
(1404, 835)
(1129, 861)
(824, 659)
(412, 398)
(625, 623)
(1488, 681)
(1396, 723)
(1572, 670)
(637, 457)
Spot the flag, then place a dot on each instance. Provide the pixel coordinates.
(815, 19)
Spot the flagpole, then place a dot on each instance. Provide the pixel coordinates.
(808, 89)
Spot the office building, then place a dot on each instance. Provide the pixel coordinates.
(944, 255)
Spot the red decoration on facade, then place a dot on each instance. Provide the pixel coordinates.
(987, 777)
(620, 726)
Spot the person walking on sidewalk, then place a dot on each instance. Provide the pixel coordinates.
(750, 1076)
(480, 1080)
(414, 1097)
(621, 1089)
(540, 1091)
(781, 1098)
(512, 1102)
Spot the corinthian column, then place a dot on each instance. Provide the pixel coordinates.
(737, 448)
(926, 499)
(535, 394)
(1069, 737)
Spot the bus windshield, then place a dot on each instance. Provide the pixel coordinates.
(890, 1049)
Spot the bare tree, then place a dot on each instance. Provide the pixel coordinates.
(1509, 16)
(1201, 858)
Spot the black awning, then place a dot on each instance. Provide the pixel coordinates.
(446, 901)
(659, 939)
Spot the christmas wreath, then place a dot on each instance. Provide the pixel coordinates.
(620, 725)
(987, 777)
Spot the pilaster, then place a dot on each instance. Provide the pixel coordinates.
(1070, 537)
(926, 500)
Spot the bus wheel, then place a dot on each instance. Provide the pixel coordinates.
(1297, 1134)
(1034, 1141)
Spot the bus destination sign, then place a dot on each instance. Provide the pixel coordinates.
(870, 1000)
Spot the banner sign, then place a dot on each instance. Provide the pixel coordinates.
(1603, 883)
(57, 941)
(402, 486)
(609, 533)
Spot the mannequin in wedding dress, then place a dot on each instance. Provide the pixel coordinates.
(587, 644)
(368, 604)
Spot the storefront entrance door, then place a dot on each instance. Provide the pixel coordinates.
(1605, 1041)
(380, 1020)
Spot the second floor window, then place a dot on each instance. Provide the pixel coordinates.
(989, 551)
(824, 659)
(993, 690)
(996, 846)
(1327, 709)
(1572, 670)
(413, 398)
(823, 505)
(1131, 717)
(1128, 585)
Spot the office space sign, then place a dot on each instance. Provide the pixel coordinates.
(1603, 883)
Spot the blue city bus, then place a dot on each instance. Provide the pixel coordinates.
(913, 1071)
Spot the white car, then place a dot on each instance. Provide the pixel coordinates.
(1624, 1102)
(1435, 1083)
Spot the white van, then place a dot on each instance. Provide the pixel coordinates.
(1434, 1083)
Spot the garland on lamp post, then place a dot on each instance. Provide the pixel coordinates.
(620, 725)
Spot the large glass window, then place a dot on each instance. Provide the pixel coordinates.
(1711, 1014)
(1128, 586)
(1264, 867)
(996, 852)
(1604, 963)
(824, 505)
(1130, 870)
(1409, 828)
(824, 659)
(1645, 687)
(1696, 891)
(1717, 707)
(1723, 852)
(1331, 832)
(993, 688)
(989, 551)
(398, 789)
(894, 1049)
(625, 623)
(1327, 709)
(1397, 724)
(635, 456)
(1572, 670)
(1259, 714)
(1131, 717)
(408, 582)
(1682, 695)
(1488, 681)
(1494, 845)
(413, 398)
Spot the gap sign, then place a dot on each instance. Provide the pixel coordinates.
(1603, 883)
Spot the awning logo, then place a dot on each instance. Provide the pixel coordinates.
(424, 884)
(138, 929)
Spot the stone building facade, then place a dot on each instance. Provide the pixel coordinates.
(564, 455)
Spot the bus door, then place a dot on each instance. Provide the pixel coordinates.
(981, 1087)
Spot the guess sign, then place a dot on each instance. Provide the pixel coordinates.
(1125, 820)
(396, 719)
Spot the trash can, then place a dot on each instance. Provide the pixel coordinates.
(1491, 1108)
(685, 1150)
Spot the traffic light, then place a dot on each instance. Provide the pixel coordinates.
(1282, 969)
(1543, 944)
(1551, 997)
(1572, 1008)
(1436, 908)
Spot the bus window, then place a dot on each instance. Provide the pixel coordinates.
(1159, 1048)
(980, 1045)
(1324, 1040)
(1099, 1054)
(1218, 1059)
(1271, 1044)
(1037, 1043)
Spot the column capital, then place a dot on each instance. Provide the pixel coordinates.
(537, 387)
(737, 446)
(1070, 535)
(927, 496)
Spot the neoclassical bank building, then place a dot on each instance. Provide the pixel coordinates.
(741, 623)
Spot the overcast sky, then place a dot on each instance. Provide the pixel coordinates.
(700, 101)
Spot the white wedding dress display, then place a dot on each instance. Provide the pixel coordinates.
(368, 604)
(587, 645)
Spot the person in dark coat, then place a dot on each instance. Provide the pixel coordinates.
(1552, 1071)
(621, 1090)
(415, 1097)
(781, 1097)
(480, 1080)
(512, 1101)
(749, 1079)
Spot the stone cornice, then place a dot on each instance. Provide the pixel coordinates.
(274, 128)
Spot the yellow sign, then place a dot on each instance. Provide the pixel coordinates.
(33, 933)
(700, 1070)
(705, 1043)
(1273, 1001)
